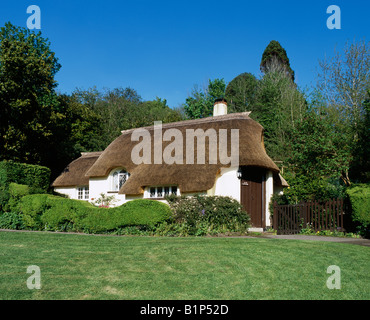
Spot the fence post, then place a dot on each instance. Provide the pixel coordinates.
(275, 217)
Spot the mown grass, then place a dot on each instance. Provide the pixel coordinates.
(111, 267)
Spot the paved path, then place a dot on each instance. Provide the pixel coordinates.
(362, 242)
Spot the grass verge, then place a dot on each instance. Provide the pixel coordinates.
(111, 267)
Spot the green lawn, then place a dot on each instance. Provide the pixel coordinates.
(111, 267)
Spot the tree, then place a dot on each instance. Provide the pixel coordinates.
(200, 103)
(360, 169)
(275, 53)
(120, 109)
(343, 80)
(319, 149)
(27, 98)
(240, 92)
(278, 106)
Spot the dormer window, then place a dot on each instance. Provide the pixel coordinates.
(119, 179)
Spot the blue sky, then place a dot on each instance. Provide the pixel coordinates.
(164, 48)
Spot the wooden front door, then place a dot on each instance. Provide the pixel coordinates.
(252, 195)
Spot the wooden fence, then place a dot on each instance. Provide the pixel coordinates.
(290, 219)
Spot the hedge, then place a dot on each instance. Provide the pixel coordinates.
(34, 176)
(359, 197)
(48, 212)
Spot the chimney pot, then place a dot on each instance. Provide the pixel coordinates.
(220, 107)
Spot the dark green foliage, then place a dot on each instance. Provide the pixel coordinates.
(27, 97)
(240, 92)
(47, 212)
(275, 53)
(112, 111)
(37, 178)
(11, 220)
(141, 212)
(319, 149)
(359, 196)
(16, 192)
(209, 212)
(200, 103)
(303, 189)
(360, 168)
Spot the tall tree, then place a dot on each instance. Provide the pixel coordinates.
(275, 53)
(28, 101)
(278, 106)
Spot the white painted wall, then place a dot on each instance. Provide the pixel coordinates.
(269, 186)
(227, 184)
(104, 185)
(71, 192)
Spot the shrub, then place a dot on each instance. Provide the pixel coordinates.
(32, 207)
(209, 214)
(63, 214)
(140, 212)
(43, 211)
(34, 176)
(11, 220)
(16, 192)
(359, 197)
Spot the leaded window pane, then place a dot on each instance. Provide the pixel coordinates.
(115, 181)
(166, 191)
(152, 192)
(159, 192)
(174, 190)
(86, 193)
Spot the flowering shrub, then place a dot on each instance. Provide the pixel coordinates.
(104, 201)
(205, 214)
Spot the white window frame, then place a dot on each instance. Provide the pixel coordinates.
(158, 192)
(117, 175)
(83, 193)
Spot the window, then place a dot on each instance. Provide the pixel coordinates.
(119, 178)
(161, 192)
(83, 193)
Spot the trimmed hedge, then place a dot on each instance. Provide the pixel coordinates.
(359, 197)
(47, 212)
(34, 176)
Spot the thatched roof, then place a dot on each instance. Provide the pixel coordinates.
(280, 181)
(188, 177)
(75, 173)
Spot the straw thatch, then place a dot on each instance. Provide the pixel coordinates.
(75, 173)
(188, 177)
(280, 181)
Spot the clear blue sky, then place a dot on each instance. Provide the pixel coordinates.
(163, 48)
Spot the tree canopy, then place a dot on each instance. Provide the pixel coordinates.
(275, 53)
(240, 92)
(27, 96)
(200, 103)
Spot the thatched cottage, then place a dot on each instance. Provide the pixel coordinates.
(183, 158)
